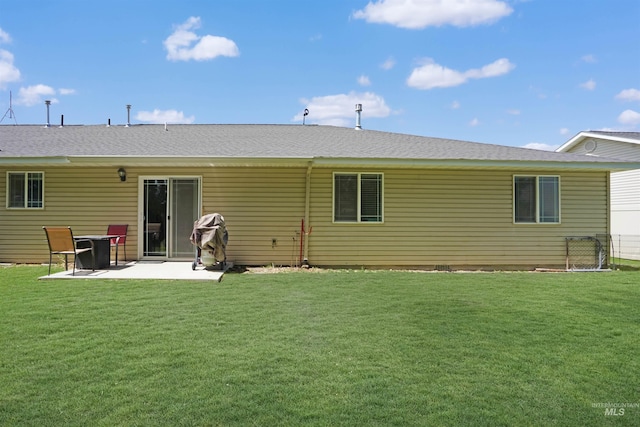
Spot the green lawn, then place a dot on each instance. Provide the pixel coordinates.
(349, 348)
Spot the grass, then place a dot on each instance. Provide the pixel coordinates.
(627, 264)
(338, 348)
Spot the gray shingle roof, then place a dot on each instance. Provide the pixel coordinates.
(258, 142)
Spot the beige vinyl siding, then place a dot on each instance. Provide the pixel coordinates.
(455, 218)
(259, 205)
(86, 199)
(431, 217)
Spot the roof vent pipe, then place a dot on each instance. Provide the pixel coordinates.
(128, 115)
(358, 111)
(61, 120)
(47, 103)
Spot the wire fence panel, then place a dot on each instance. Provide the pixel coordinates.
(584, 253)
(625, 246)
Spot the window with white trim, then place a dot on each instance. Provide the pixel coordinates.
(25, 190)
(357, 197)
(536, 199)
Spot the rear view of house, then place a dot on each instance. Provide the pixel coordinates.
(325, 195)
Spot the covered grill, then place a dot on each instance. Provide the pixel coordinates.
(210, 237)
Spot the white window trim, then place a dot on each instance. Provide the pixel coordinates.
(26, 201)
(537, 177)
(359, 213)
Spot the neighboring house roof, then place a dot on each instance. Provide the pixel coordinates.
(630, 137)
(216, 145)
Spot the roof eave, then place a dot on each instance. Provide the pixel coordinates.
(479, 164)
(27, 161)
(584, 135)
(200, 161)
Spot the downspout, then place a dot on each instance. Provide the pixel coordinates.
(307, 202)
(608, 251)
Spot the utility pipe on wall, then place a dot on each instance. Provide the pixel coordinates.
(307, 201)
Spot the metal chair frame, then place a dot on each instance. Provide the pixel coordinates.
(119, 230)
(61, 242)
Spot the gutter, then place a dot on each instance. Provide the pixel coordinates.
(613, 165)
(10, 161)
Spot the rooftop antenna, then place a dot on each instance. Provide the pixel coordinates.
(10, 112)
(306, 113)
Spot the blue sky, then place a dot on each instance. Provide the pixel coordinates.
(513, 72)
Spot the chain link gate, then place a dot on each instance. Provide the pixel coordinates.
(584, 253)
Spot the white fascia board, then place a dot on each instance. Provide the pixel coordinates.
(573, 141)
(584, 135)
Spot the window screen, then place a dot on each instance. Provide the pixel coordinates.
(25, 190)
(357, 197)
(536, 199)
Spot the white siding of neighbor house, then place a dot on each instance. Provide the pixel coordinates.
(625, 192)
(431, 217)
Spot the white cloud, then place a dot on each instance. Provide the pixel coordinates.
(629, 95)
(4, 36)
(564, 131)
(315, 37)
(388, 64)
(455, 105)
(474, 122)
(364, 81)
(629, 117)
(8, 72)
(513, 112)
(418, 14)
(590, 59)
(33, 95)
(184, 45)
(496, 68)
(540, 146)
(339, 110)
(432, 75)
(166, 116)
(588, 85)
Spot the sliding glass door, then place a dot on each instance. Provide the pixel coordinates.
(169, 208)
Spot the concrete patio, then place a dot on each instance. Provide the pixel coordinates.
(156, 270)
